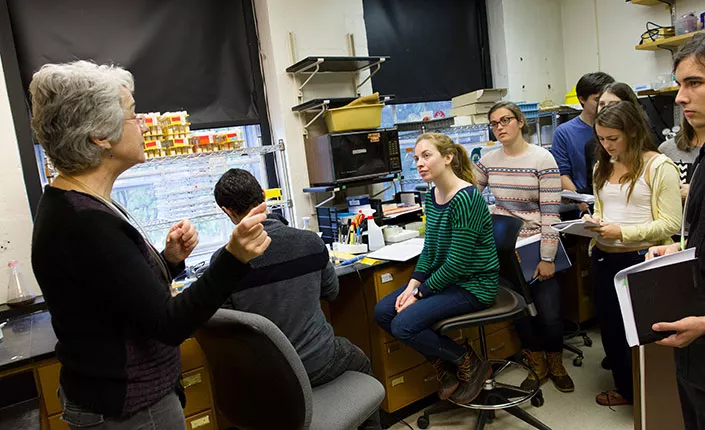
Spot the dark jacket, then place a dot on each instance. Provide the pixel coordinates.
(286, 285)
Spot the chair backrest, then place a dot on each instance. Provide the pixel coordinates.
(257, 377)
(506, 232)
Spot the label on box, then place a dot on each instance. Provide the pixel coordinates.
(387, 277)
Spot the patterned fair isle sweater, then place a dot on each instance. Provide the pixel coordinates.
(528, 187)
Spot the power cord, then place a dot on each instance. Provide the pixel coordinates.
(652, 31)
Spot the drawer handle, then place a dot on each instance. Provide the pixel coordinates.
(200, 422)
(386, 277)
(393, 348)
(190, 381)
(501, 346)
(429, 378)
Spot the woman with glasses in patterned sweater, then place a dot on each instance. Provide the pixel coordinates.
(526, 184)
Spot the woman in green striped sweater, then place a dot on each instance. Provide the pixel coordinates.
(457, 272)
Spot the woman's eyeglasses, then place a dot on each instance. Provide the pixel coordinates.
(504, 121)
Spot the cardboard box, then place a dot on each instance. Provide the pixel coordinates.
(471, 119)
(488, 95)
(471, 109)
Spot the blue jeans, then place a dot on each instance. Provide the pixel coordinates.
(413, 325)
(166, 414)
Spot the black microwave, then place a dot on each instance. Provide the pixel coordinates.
(338, 158)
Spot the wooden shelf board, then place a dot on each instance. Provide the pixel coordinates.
(667, 42)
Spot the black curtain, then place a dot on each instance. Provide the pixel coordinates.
(184, 54)
(439, 49)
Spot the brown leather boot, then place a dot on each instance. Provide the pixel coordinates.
(446, 378)
(536, 360)
(472, 373)
(557, 372)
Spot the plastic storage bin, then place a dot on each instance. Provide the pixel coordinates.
(362, 117)
(530, 110)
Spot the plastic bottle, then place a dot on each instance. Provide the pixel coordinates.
(375, 237)
(17, 293)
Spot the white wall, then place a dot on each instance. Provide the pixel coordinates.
(320, 28)
(527, 49)
(15, 218)
(601, 35)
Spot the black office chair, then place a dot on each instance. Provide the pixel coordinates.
(259, 382)
(513, 301)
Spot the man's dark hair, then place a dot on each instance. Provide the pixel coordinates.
(238, 191)
(592, 83)
(694, 47)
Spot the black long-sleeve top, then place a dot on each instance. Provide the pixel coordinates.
(117, 324)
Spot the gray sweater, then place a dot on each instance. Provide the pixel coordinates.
(286, 285)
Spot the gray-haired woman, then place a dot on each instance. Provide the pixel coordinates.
(106, 286)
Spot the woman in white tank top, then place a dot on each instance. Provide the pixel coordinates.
(637, 203)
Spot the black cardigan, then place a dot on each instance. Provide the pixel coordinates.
(118, 326)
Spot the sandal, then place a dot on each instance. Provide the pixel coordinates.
(611, 398)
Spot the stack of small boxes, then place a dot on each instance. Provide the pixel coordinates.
(170, 134)
(472, 108)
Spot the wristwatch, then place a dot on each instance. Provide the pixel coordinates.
(548, 260)
(415, 292)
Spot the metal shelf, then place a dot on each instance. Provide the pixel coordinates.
(335, 64)
(330, 103)
(338, 187)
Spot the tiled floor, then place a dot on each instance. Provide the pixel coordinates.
(576, 410)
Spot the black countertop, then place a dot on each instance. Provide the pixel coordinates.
(26, 339)
(30, 337)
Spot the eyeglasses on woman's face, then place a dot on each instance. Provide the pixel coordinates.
(504, 121)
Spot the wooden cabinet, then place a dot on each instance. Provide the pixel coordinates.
(409, 386)
(55, 423)
(195, 379)
(405, 374)
(49, 381)
(203, 421)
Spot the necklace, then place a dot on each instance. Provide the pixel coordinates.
(125, 215)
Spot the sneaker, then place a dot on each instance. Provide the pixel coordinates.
(557, 372)
(446, 378)
(472, 374)
(611, 398)
(536, 360)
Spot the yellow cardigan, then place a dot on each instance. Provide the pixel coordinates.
(666, 206)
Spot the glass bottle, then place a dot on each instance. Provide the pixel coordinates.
(17, 293)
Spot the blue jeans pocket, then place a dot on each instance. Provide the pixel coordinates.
(75, 416)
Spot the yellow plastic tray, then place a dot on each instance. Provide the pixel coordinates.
(363, 117)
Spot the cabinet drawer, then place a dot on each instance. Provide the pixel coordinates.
(203, 421)
(191, 355)
(399, 357)
(55, 423)
(197, 387)
(390, 278)
(500, 344)
(410, 386)
(49, 380)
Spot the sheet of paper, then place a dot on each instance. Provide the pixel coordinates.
(576, 227)
(402, 251)
(572, 195)
(621, 287)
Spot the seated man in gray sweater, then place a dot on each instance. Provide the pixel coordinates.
(286, 285)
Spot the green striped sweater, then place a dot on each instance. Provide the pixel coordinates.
(459, 247)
